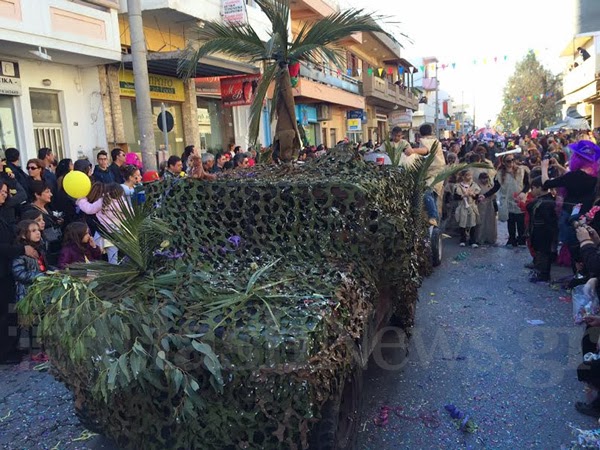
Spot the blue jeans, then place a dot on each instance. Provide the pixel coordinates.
(430, 201)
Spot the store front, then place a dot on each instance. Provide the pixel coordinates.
(167, 91)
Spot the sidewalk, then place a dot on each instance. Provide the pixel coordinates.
(473, 347)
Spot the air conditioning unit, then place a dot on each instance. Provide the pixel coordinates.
(323, 112)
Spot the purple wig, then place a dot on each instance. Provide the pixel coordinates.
(585, 157)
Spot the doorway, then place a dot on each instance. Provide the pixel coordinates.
(8, 129)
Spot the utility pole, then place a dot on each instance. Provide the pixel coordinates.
(462, 114)
(142, 84)
(437, 106)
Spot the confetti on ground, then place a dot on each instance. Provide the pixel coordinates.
(535, 322)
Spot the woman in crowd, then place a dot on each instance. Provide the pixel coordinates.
(196, 170)
(64, 167)
(9, 250)
(133, 178)
(467, 215)
(487, 231)
(511, 180)
(187, 152)
(52, 233)
(578, 185)
(78, 246)
(35, 169)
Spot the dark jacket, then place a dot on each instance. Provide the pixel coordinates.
(51, 181)
(104, 176)
(20, 175)
(71, 254)
(65, 204)
(25, 270)
(543, 222)
(18, 196)
(8, 249)
(117, 174)
(590, 255)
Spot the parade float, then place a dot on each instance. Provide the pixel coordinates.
(245, 310)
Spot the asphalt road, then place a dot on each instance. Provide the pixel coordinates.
(473, 347)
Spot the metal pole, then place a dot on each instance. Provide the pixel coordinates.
(163, 115)
(142, 84)
(437, 108)
(462, 115)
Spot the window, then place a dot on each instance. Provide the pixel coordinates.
(47, 124)
(8, 132)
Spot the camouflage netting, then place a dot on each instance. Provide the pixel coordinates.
(343, 238)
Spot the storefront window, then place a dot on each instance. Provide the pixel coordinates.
(8, 132)
(209, 124)
(132, 132)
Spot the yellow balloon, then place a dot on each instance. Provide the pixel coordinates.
(77, 184)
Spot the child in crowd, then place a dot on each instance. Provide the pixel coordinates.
(78, 246)
(467, 214)
(132, 177)
(107, 200)
(25, 268)
(543, 230)
(487, 231)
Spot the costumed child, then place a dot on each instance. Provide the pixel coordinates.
(78, 246)
(543, 230)
(487, 231)
(466, 214)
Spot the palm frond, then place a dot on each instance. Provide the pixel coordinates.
(278, 13)
(276, 94)
(331, 30)
(257, 104)
(454, 169)
(135, 232)
(237, 40)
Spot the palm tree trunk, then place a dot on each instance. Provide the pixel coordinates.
(286, 141)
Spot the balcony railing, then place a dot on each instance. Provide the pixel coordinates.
(381, 89)
(330, 76)
(580, 76)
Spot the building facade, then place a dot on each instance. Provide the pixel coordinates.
(50, 89)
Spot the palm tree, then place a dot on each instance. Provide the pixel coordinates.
(314, 43)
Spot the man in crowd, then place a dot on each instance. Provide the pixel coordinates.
(13, 163)
(221, 159)
(430, 143)
(47, 156)
(102, 173)
(208, 162)
(118, 160)
(174, 167)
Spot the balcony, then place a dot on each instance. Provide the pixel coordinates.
(72, 33)
(328, 76)
(579, 82)
(382, 93)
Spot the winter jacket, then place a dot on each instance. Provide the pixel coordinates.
(71, 254)
(25, 270)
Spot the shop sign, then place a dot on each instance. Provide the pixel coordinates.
(354, 124)
(10, 81)
(161, 87)
(239, 90)
(357, 114)
(400, 118)
(208, 86)
(234, 11)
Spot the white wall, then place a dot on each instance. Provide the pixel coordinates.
(80, 102)
(35, 29)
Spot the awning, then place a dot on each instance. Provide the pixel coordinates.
(569, 123)
(165, 63)
(573, 113)
(577, 41)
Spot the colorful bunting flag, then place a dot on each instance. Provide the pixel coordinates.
(380, 71)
